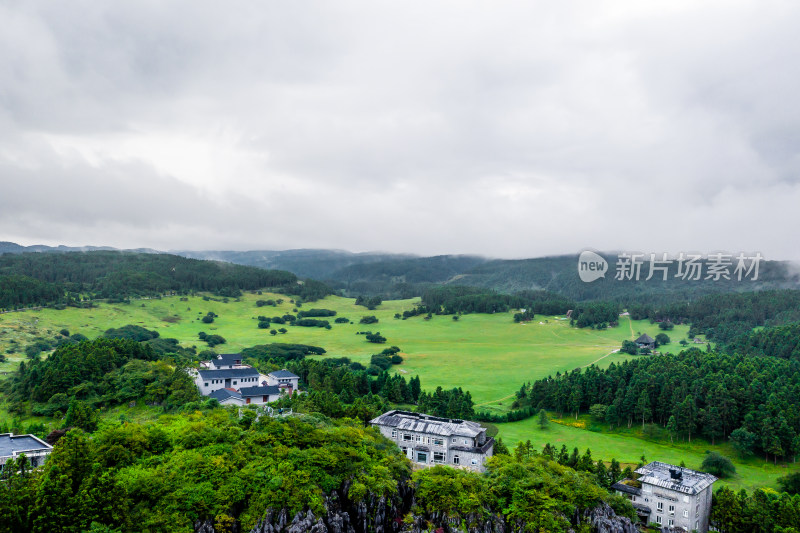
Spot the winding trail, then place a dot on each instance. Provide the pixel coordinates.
(497, 400)
(606, 355)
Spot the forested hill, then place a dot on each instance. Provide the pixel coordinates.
(7, 247)
(404, 276)
(559, 274)
(316, 264)
(44, 278)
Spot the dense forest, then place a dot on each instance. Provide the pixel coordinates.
(778, 341)
(215, 471)
(457, 299)
(48, 278)
(99, 373)
(723, 317)
(212, 469)
(753, 401)
(763, 511)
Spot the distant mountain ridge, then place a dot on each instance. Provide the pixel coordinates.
(405, 275)
(7, 247)
(306, 263)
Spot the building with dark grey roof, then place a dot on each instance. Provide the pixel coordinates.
(431, 440)
(283, 378)
(227, 396)
(679, 499)
(231, 382)
(34, 448)
(209, 381)
(226, 360)
(646, 341)
(261, 394)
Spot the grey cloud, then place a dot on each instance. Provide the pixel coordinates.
(436, 127)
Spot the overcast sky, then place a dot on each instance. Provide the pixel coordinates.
(508, 129)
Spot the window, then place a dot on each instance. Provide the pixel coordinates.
(454, 441)
(671, 509)
(633, 498)
(394, 433)
(205, 384)
(658, 519)
(697, 524)
(406, 436)
(438, 442)
(456, 460)
(686, 513)
(234, 382)
(671, 522)
(660, 506)
(438, 457)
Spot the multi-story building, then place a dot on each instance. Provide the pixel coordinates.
(34, 448)
(283, 379)
(430, 440)
(677, 498)
(209, 381)
(233, 383)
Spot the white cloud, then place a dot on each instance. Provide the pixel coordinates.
(511, 129)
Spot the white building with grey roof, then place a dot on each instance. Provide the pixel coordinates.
(231, 382)
(34, 448)
(676, 498)
(430, 440)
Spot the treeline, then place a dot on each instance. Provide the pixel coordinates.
(280, 352)
(339, 387)
(763, 511)
(399, 278)
(779, 341)
(723, 317)
(100, 372)
(335, 385)
(23, 291)
(453, 403)
(452, 299)
(754, 401)
(41, 279)
(312, 313)
(216, 471)
(348, 380)
(595, 314)
(456, 299)
(210, 467)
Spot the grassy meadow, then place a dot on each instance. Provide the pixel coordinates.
(489, 355)
(628, 446)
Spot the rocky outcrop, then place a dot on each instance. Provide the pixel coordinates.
(603, 519)
(379, 514)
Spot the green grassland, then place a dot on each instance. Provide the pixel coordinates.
(628, 446)
(489, 355)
